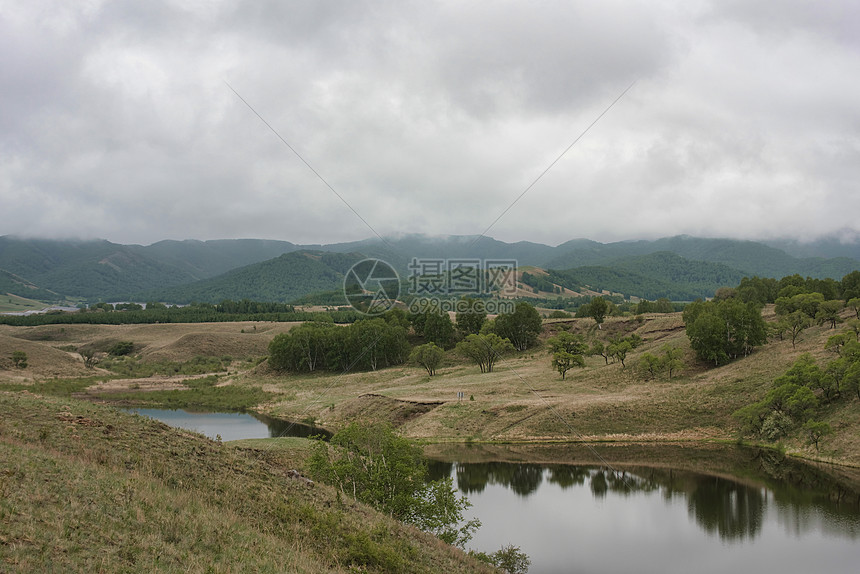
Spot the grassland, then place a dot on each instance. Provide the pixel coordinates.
(15, 304)
(523, 400)
(88, 488)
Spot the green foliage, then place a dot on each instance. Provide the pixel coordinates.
(226, 311)
(521, 327)
(121, 348)
(19, 359)
(815, 430)
(484, 349)
(794, 323)
(470, 321)
(368, 344)
(828, 312)
(509, 558)
(438, 328)
(568, 351)
(374, 465)
(539, 282)
(724, 330)
(428, 356)
(597, 309)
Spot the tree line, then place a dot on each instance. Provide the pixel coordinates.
(226, 311)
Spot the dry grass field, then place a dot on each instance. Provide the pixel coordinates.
(522, 400)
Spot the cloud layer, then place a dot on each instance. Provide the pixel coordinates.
(433, 117)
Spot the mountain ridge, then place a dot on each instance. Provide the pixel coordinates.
(101, 270)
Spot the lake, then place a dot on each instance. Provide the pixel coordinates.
(230, 426)
(721, 510)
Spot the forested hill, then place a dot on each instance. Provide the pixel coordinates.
(282, 279)
(178, 271)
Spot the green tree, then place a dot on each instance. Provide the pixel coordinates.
(850, 286)
(439, 329)
(521, 327)
(484, 349)
(828, 312)
(511, 559)
(719, 331)
(795, 323)
(562, 361)
(854, 305)
(374, 465)
(815, 430)
(19, 359)
(428, 356)
(649, 366)
(672, 359)
(598, 348)
(470, 320)
(618, 350)
(597, 309)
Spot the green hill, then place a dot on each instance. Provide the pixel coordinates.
(282, 279)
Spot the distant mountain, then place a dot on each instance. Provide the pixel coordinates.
(282, 279)
(203, 259)
(89, 269)
(179, 271)
(748, 257)
(660, 274)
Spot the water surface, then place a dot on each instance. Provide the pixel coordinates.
(231, 426)
(772, 516)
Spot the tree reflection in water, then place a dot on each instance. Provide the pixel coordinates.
(723, 507)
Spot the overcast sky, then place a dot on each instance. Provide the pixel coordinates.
(116, 120)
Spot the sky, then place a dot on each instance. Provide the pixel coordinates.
(317, 121)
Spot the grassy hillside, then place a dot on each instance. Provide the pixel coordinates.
(524, 399)
(88, 488)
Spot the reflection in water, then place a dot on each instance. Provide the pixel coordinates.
(732, 510)
(729, 509)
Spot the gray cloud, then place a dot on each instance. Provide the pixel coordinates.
(428, 117)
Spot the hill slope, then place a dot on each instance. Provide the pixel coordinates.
(281, 279)
(88, 488)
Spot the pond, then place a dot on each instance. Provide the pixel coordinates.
(230, 426)
(735, 510)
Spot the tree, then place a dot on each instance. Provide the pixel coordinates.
(672, 359)
(567, 342)
(719, 331)
(374, 465)
(618, 350)
(649, 366)
(795, 323)
(438, 329)
(511, 559)
(428, 356)
(484, 349)
(850, 286)
(470, 320)
(89, 357)
(521, 327)
(19, 359)
(563, 361)
(828, 312)
(815, 430)
(597, 309)
(598, 348)
(854, 305)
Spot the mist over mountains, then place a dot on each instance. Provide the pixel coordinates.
(680, 267)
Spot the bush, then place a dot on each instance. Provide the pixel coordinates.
(376, 466)
(121, 348)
